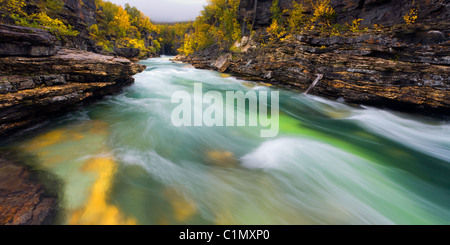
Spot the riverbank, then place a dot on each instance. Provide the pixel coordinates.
(39, 80)
(380, 60)
(405, 68)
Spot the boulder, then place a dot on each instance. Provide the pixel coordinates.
(127, 52)
(223, 62)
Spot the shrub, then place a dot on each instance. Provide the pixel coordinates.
(54, 5)
(297, 19)
(54, 25)
(411, 17)
(275, 11)
(321, 18)
(276, 31)
(13, 9)
(323, 12)
(355, 26)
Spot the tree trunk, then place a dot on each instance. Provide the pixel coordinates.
(254, 13)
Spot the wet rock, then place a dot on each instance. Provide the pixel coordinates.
(51, 80)
(221, 158)
(23, 201)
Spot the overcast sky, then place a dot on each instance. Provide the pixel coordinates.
(167, 10)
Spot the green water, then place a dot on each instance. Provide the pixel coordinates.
(121, 161)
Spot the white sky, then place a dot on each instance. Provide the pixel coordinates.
(167, 10)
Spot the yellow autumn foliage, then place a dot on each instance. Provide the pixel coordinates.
(411, 17)
(323, 11)
(217, 23)
(297, 19)
(123, 27)
(14, 10)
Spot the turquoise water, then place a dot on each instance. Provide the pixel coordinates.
(121, 161)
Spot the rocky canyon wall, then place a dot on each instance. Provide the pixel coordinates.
(393, 65)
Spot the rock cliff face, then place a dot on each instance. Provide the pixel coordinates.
(34, 88)
(385, 12)
(81, 14)
(390, 12)
(20, 41)
(400, 67)
(84, 10)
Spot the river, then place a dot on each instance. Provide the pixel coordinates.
(122, 161)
